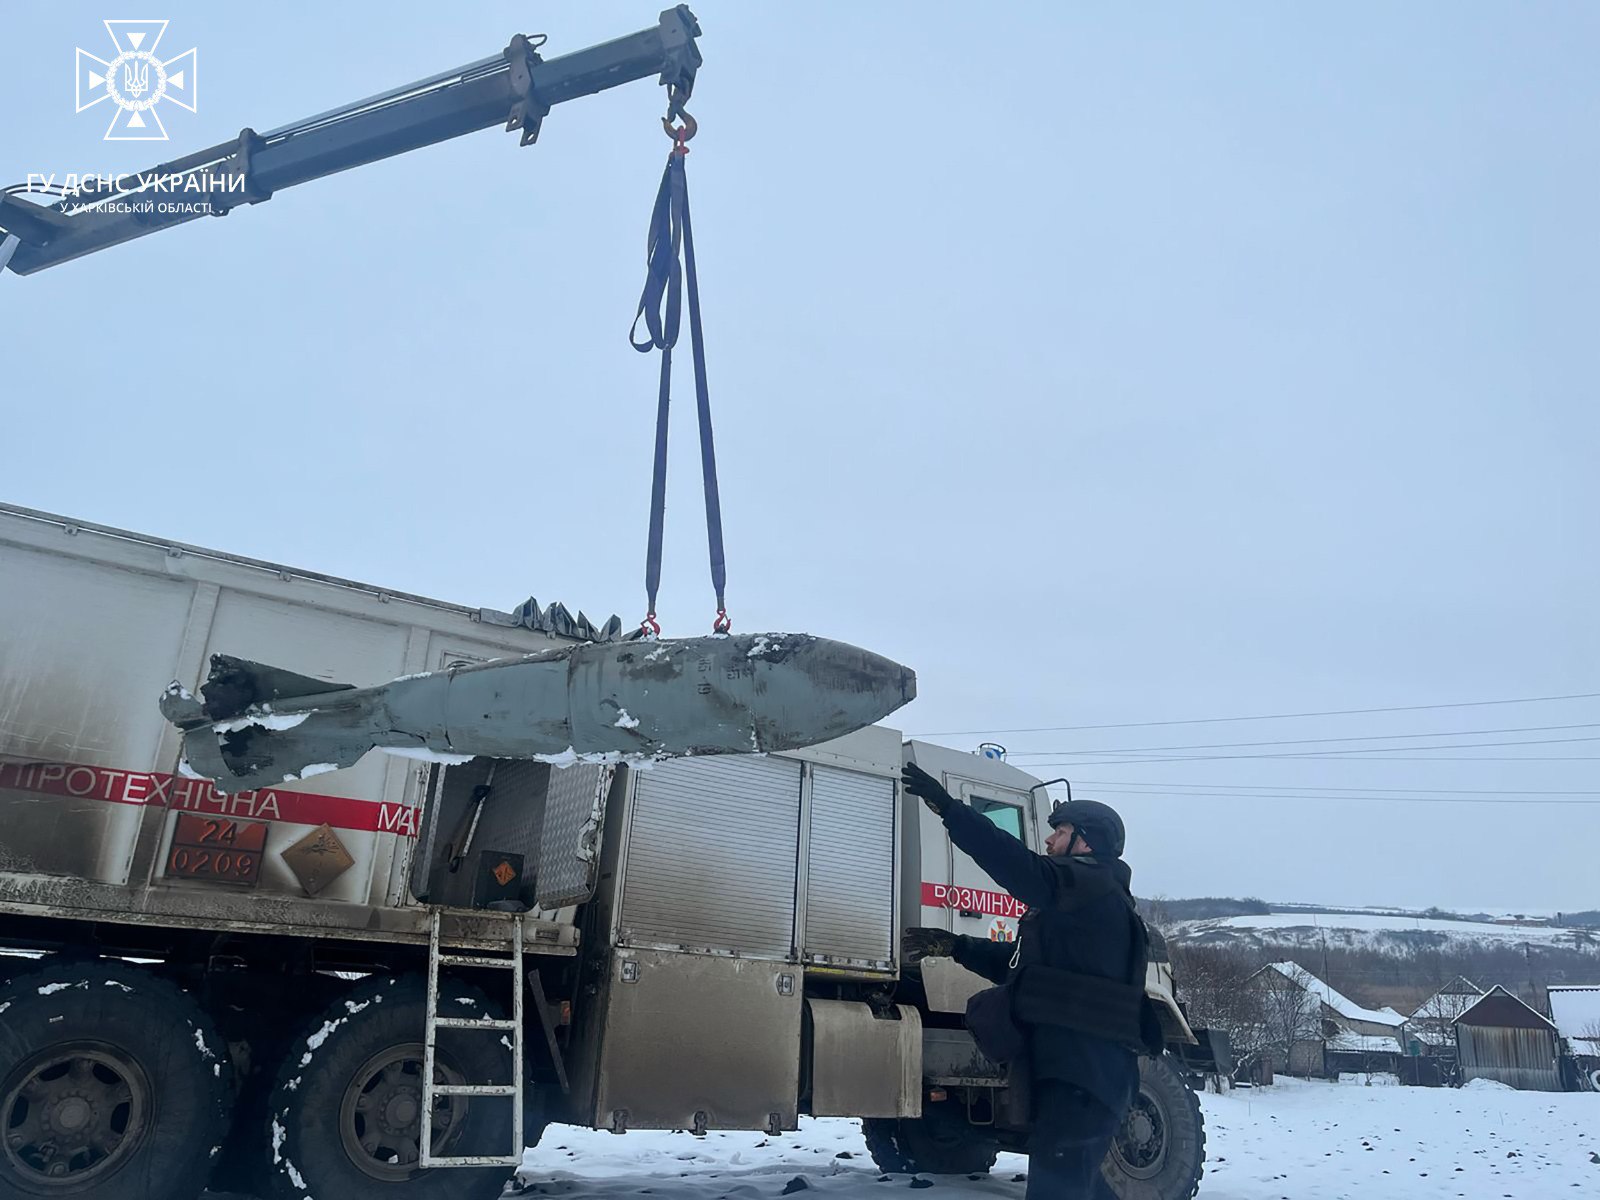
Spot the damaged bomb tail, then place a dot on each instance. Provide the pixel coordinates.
(254, 725)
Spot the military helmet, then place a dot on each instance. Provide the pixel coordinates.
(1099, 824)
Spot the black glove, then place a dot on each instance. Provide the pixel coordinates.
(919, 943)
(926, 788)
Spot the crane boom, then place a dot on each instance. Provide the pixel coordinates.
(515, 88)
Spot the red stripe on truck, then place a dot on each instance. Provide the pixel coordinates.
(965, 899)
(161, 790)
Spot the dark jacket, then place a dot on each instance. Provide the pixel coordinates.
(1078, 920)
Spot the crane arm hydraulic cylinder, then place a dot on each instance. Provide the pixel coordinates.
(513, 89)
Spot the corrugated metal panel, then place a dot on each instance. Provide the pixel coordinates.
(568, 850)
(712, 852)
(1520, 1058)
(511, 818)
(850, 867)
(507, 823)
(534, 810)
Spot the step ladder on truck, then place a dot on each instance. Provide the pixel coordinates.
(432, 1088)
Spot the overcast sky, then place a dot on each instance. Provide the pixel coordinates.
(1105, 364)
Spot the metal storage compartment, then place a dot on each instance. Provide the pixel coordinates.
(711, 857)
(699, 1041)
(549, 816)
(850, 893)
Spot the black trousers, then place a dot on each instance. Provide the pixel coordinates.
(1071, 1133)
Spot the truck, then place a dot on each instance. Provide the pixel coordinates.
(387, 980)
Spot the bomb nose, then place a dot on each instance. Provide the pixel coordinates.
(908, 685)
(895, 682)
(834, 689)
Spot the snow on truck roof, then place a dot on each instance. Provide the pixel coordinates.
(1338, 1001)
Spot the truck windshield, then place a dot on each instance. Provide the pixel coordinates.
(1006, 816)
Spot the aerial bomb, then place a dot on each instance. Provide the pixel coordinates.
(255, 725)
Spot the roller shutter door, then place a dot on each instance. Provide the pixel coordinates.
(850, 868)
(712, 852)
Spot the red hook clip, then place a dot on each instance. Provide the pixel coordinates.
(650, 627)
(681, 133)
(723, 623)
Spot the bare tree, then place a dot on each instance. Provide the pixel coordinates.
(1291, 1016)
(1157, 911)
(1219, 989)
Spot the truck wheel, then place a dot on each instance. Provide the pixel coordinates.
(112, 1083)
(345, 1117)
(1160, 1151)
(940, 1142)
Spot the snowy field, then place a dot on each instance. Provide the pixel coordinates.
(1292, 1141)
(1303, 1141)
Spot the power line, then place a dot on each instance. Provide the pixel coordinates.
(1353, 799)
(1397, 795)
(1316, 756)
(1371, 737)
(1270, 787)
(1332, 712)
(1321, 758)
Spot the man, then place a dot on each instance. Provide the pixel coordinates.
(1074, 979)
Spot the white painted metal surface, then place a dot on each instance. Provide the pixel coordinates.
(94, 623)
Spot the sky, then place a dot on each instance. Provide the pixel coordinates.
(1108, 365)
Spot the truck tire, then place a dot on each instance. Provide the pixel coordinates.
(940, 1142)
(345, 1115)
(113, 1083)
(1160, 1151)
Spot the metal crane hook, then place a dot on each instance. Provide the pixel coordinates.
(681, 133)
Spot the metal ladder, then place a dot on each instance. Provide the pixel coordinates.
(513, 1091)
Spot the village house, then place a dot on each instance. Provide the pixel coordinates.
(1430, 1038)
(1433, 1024)
(1575, 1010)
(1324, 1031)
(1499, 1037)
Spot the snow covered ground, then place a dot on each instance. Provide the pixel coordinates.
(1295, 1140)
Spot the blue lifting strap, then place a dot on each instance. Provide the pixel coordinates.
(661, 307)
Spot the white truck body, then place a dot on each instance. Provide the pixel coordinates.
(717, 938)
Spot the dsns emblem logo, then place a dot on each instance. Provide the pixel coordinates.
(136, 81)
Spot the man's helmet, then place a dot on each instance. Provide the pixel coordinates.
(1098, 823)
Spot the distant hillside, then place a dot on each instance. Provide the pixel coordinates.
(1387, 933)
(1386, 956)
(1166, 912)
